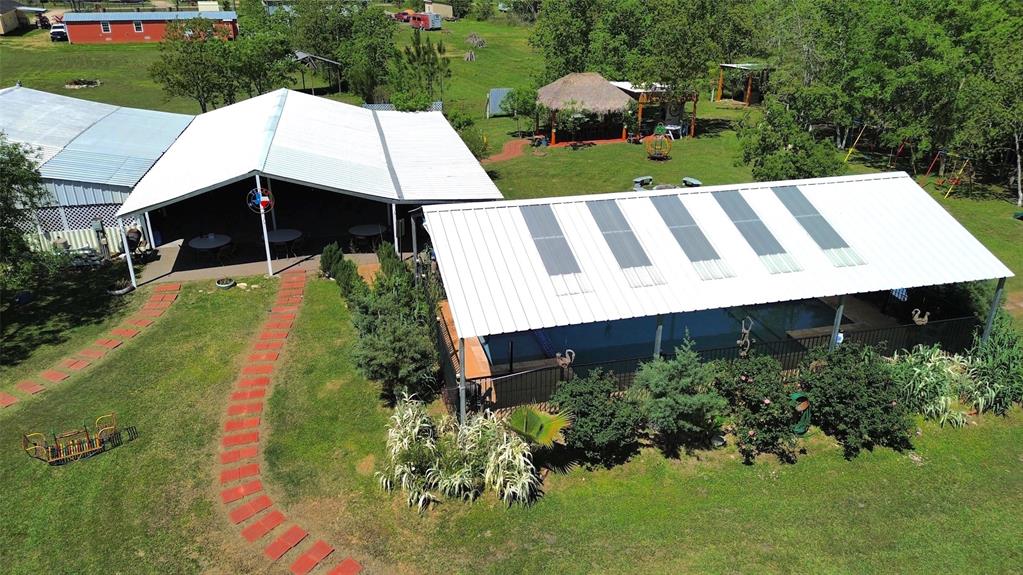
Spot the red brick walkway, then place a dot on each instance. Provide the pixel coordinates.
(511, 149)
(163, 296)
(244, 500)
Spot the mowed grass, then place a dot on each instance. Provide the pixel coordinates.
(149, 506)
(956, 509)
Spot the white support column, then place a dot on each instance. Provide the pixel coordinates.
(993, 311)
(461, 380)
(149, 231)
(415, 249)
(838, 323)
(266, 238)
(273, 213)
(394, 224)
(657, 337)
(127, 253)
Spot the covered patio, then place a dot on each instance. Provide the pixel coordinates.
(590, 95)
(612, 279)
(280, 175)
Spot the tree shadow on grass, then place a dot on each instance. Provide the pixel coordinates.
(712, 127)
(69, 299)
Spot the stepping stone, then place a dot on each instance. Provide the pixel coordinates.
(150, 313)
(125, 332)
(54, 375)
(140, 322)
(168, 287)
(284, 308)
(282, 317)
(289, 273)
(238, 454)
(157, 305)
(164, 297)
(293, 292)
(29, 387)
(108, 343)
(7, 400)
(248, 510)
(347, 567)
(269, 356)
(262, 526)
(284, 543)
(267, 345)
(93, 352)
(229, 475)
(258, 369)
(318, 552)
(251, 394)
(254, 382)
(273, 335)
(75, 364)
(278, 325)
(239, 424)
(244, 409)
(240, 439)
(235, 493)
(293, 300)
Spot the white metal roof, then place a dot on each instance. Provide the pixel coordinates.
(397, 157)
(46, 121)
(497, 281)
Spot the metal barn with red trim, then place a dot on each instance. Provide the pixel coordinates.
(129, 27)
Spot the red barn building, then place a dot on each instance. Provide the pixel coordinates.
(124, 27)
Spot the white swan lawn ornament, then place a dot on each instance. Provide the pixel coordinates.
(744, 342)
(566, 359)
(920, 319)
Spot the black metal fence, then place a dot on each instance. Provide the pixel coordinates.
(537, 386)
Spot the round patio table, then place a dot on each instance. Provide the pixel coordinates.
(208, 242)
(283, 235)
(366, 230)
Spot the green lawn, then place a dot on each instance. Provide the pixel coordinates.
(957, 510)
(148, 506)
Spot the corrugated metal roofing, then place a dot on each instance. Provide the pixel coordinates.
(71, 193)
(118, 149)
(322, 143)
(496, 280)
(46, 121)
(145, 16)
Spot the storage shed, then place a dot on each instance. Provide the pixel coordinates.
(129, 27)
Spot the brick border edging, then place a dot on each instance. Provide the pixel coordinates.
(163, 296)
(241, 440)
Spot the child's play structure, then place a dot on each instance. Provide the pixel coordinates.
(742, 82)
(957, 172)
(76, 444)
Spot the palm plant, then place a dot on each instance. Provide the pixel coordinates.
(537, 427)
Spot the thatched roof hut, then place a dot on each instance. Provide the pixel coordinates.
(584, 90)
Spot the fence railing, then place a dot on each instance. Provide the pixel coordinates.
(537, 386)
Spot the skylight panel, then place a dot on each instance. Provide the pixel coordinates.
(566, 275)
(763, 242)
(691, 238)
(835, 248)
(624, 245)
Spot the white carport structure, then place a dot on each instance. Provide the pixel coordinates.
(514, 266)
(391, 157)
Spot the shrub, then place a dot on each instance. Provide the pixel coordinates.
(854, 399)
(605, 424)
(390, 262)
(346, 273)
(328, 259)
(460, 461)
(930, 381)
(759, 402)
(483, 9)
(679, 399)
(1000, 359)
(401, 355)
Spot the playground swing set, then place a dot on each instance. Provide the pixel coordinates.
(958, 172)
(78, 443)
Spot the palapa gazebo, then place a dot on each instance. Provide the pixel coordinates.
(587, 91)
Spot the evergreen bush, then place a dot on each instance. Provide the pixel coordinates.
(605, 424)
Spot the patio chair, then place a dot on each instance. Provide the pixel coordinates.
(297, 246)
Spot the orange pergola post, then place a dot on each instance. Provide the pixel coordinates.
(554, 128)
(721, 83)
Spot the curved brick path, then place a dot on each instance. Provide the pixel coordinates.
(245, 503)
(511, 149)
(162, 298)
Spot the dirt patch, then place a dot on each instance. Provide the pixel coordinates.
(366, 465)
(511, 149)
(368, 272)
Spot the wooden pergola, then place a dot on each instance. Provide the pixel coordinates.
(750, 70)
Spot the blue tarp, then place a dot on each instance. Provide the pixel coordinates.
(494, 99)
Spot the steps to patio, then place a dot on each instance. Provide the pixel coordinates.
(241, 489)
(157, 304)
